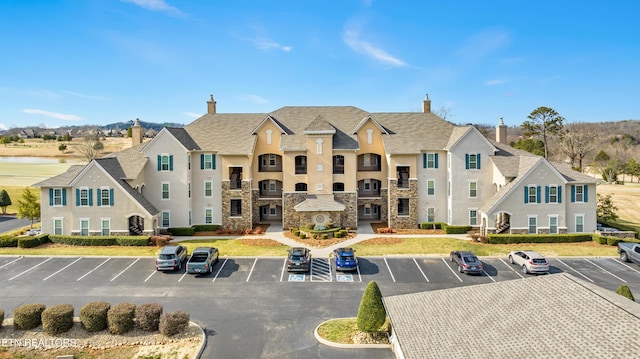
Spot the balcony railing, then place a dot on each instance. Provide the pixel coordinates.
(301, 169)
(271, 194)
(371, 167)
(368, 193)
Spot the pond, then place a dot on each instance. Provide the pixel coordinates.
(34, 160)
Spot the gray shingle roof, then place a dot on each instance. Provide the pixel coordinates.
(184, 138)
(572, 175)
(131, 160)
(112, 166)
(552, 316)
(62, 179)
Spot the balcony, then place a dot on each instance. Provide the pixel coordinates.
(270, 163)
(362, 193)
(369, 162)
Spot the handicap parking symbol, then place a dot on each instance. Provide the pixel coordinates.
(344, 278)
(296, 277)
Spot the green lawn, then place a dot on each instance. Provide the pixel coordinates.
(344, 329)
(15, 194)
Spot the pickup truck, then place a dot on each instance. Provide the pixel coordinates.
(202, 260)
(629, 252)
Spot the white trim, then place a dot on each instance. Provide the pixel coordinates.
(88, 225)
(204, 193)
(61, 219)
(162, 191)
(101, 225)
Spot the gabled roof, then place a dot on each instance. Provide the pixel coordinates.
(460, 132)
(372, 120)
(114, 169)
(320, 202)
(63, 179)
(282, 128)
(131, 160)
(572, 175)
(184, 138)
(319, 126)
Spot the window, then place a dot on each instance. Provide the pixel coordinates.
(84, 196)
(431, 214)
(189, 217)
(369, 136)
(208, 190)
(338, 164)
(473, 217)
(532, 194)
(403, 206)
(165, 191)
(301, 165)
(84, 227)
(57, 196)
(208, 216)
(579, 193)
(367, 209)
(579, 223)
(105, 196)
(189, 189)
(272, 185)
(367, 184)
(57, 226)
(301, 187)
(473, 189)
(553, 194)
(272, 160)
(189, 162)
(338, 187)
(105, 227)
(165, 162)
(166, 220)
(236, 207)
(472, 161)
(431, 187)
(533, 225)
(448, 188)
(269, 136)
(430, 160)
(207, 161)
(272, 211)
(553, 225)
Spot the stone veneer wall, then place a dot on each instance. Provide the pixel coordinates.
(410, 221)
(348, 217)
(291, 218)
(382, 202)
(258, 202)
(244, 194)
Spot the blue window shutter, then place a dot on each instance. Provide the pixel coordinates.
(466, 161)
(99, 192)
(51, 196)
(585, 192)
(90, 197)
(213, 161)
(559, 194)
(111, 197)
(478, 161)
(159, 163)
(202, 161)
(526, 194)
(64, 196)
(546, 194)
(538, 194)
(77, 197)
(573, 193)
(424, 160)
(435, 160)
(171, 163)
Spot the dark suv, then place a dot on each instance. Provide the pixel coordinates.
(299, 260)
(171, 257)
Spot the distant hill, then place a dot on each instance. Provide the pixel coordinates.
(145, 125)
(39, 131)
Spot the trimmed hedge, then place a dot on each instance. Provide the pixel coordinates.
(133, 241)
(28, 316)
(120, 318)
(599, 239)
(205, 227)
(182, 231)
(101, 240)
(173, 322)
(538, 238)
(8, 241)
(148, 316)
(93, 316)
(28, 242)
(57, 319)
(432, 225)
(457, 229)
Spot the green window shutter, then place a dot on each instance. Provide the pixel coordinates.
(478, 161)
(466, 161)
(559, 194)
(90, 197)
(573, 193)
(546, 194)
(51, 196)
(99, 192)
(424, 160)
(77, 197)
(538, 194)
(435, 160)
(64, 196)
(213, 161)
(585, 193)
(159, 163)
(111, 197)
(171, 163)
(526, 194)
(202, 161)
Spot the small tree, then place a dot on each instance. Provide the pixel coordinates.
(371, 314)
(605, 209)
(633, 169)
(62, 147)
(5, 201)
(28, 206)
(544, 122)
(624, 291)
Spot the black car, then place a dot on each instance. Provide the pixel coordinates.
(467, 262)
(299, 260)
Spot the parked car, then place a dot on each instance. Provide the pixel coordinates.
(299, 260)
(529, 261)
(629, 252)
(171, 257)
(345, 259)
(202, 260)
(467, 262)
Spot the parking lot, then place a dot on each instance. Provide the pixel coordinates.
(429, 271)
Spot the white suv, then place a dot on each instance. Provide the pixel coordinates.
(529, 261)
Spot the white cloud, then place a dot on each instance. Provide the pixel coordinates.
(59, 116)
(267, 44)
(89, 97)
(257, 99)
(494, 82)
(351, 37)
(192, 114)
(156, 5)
(3, 127)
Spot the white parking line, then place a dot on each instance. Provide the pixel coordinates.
(91, 271)
(183, 275)
(487, 274)
(32, 268)
(511, 267)
(13, 261)
(568, 266)
(251, 270)
(284, 265)
(63, 268)
(615, 260)
(606, 271)
(452, 271)
(220, 270)
(389, 268)
(151, 275)
(358, 269)
(424, 275)
(124, 270)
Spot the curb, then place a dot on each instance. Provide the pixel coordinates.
(204, 339)
(346, 346)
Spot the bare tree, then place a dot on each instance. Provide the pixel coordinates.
(90, 148)
(443, 113)
(577, 142)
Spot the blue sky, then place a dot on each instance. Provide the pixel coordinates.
(82, 62)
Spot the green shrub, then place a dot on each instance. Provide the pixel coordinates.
(28, 316)
(296, 232)
(1, 317)
(182, 231)
(538, 238)
(133, 241)
(457, 229)
(148, 316)
(84, 240)
(8, 241)
(173, 323)
(93, 316)
(624, 291)
(599, 239)
(302, 235)
(206, 227)
(325, 236)
(310, 225)
(120, 318)
(57, 319)
(613, 241)
(28, 242)
(371, 314)
(431, 225)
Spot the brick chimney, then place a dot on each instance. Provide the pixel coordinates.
(136, 132)
(211, 105)
(426, 104)
(501, 132)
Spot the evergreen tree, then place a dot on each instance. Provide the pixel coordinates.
(28, 206)
(371, 314)
(5, 201)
